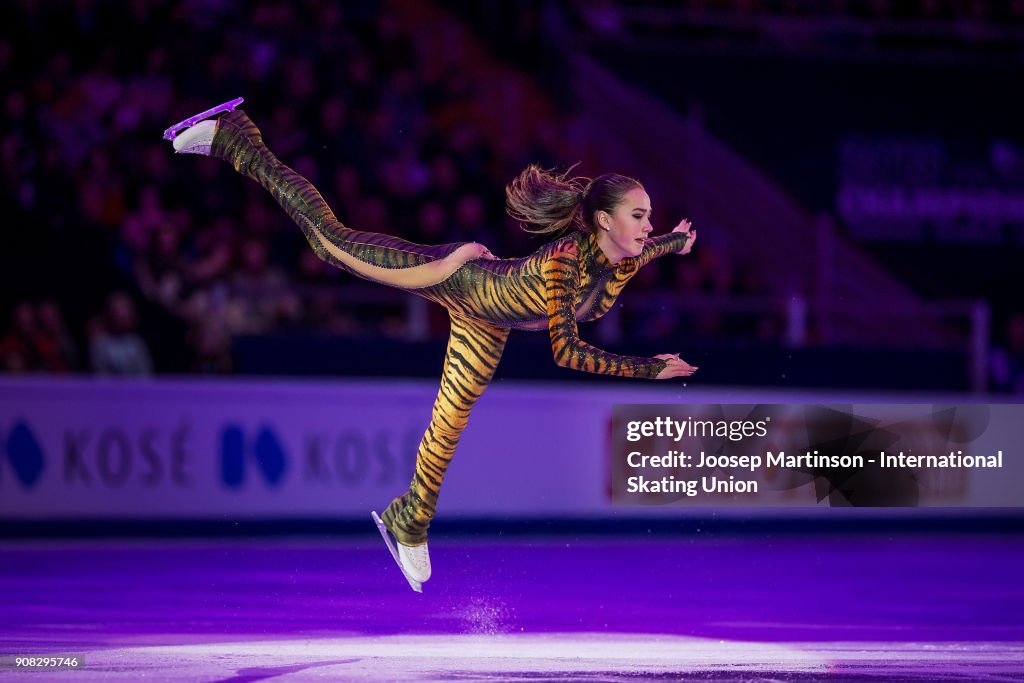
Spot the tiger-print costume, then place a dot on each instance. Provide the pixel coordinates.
(565, 281)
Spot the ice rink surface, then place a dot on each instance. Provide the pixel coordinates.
(857, 607)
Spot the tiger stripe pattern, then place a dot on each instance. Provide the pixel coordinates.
(239, 142)
(474, 349)
(566, 281)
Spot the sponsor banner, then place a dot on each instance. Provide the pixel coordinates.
(272, 449)
(840, 455)
(215, 449)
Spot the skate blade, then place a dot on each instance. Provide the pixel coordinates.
(173, 131)
(386, 535)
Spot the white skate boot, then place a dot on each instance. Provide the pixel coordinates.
(196, 140)
(414, 561)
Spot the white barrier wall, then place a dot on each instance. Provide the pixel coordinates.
(277, 449)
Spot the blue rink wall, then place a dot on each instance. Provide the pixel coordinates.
(90, 449)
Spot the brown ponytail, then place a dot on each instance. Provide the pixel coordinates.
(544, 199)
(552, 202)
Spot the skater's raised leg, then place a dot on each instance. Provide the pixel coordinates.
(382, 258)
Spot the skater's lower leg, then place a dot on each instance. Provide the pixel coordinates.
(474, 349)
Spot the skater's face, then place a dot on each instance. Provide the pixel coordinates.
(623, 231)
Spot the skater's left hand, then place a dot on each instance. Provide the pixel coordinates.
(685, 228)
(471, 251)
(477, 250)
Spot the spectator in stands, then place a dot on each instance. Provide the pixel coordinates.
(159, 269)
(17, 348)
(261, 296)
(148, 218)
(209, 343)
(115, 347)
(38, 340)
(55, 347)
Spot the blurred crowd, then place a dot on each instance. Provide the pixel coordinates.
(125, 259)
(122, 259)
(39, 341)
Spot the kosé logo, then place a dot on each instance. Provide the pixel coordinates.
(265, 449)
(24, 455)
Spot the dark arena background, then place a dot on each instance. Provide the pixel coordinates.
(197, 414)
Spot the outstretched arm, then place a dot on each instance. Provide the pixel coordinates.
(561, 278)
(679, 241)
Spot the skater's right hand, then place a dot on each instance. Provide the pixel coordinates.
(685, 228)
(674, 366)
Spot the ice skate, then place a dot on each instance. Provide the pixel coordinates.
(414, 561)
(184, 127)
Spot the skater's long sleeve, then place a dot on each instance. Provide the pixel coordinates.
(561, 277)
(668, 243)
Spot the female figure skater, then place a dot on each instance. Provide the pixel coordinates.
(574, 278)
